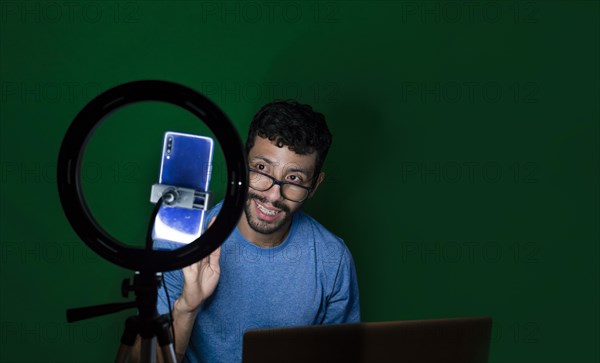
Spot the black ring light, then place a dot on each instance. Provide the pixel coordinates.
(70, 187)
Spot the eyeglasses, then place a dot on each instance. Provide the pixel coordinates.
(263, 182)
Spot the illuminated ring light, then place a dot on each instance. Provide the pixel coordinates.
(70, 187)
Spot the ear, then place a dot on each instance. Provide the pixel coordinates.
(320, 179)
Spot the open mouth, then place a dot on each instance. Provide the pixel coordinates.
(267, 211)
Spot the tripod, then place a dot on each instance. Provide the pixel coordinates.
(147, 324)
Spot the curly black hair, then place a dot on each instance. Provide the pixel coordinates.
(292, 124)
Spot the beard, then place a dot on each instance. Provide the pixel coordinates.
(261, 226)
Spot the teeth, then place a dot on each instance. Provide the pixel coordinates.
(267, 211)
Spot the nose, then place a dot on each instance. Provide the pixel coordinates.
(274, 193)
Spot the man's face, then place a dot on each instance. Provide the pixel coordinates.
(269, 212)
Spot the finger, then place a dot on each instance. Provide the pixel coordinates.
(214, 259)
(211, 221)
(206, 260)
(215, 256)
(190, 272)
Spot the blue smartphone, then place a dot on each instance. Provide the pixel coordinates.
(186, 163)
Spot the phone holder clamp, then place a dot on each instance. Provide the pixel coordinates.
(173, 196)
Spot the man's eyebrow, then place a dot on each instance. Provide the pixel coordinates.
(263, 158)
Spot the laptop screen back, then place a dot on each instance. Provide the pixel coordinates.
(464, 340)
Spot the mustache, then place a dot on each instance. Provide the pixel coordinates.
(264, 200)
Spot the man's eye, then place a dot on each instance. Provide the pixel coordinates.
(294, 179)
(260, 167)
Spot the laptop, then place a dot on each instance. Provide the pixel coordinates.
(460, 340)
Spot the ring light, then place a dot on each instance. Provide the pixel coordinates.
(70, 187)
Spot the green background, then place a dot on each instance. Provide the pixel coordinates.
(464, 173)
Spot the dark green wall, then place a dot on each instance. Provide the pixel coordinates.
(463, 176)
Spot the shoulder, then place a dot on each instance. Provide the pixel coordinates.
(330, 247)
(334, 264)
(306, 224)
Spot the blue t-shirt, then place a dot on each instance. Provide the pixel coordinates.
(308, 279)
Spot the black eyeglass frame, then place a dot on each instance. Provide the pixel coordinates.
(280, 183)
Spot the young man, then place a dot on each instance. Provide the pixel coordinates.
(279, 267)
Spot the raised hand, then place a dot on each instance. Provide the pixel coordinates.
(201, 279)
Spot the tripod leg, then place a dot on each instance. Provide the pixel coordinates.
(148, 353)
(127, 339)
(165, 339)
(123, 353)
(168, 353)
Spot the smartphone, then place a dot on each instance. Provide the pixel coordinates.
(186, 163)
